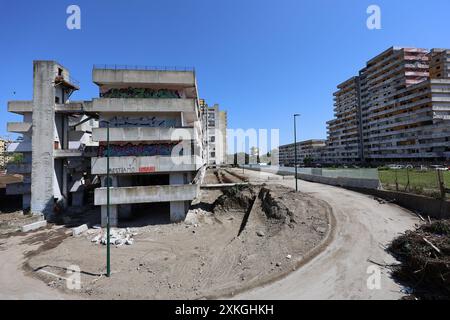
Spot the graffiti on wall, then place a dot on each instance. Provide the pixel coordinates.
(123, 122)
(139, 150)
(141, 93)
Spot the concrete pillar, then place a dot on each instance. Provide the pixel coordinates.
(113, 217)
(177, 211)
(44, 73)
(177, 208)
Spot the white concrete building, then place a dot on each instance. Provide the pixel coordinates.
(215, 123)
(155, 136)
(52, 142)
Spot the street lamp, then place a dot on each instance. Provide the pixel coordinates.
(295, 149)
(108, 249)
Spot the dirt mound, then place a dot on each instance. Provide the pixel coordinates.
(237, 198)
(425, 257)
(242, 237)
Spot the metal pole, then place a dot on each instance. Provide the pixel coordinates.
(295, 150)
(108, 252)
(243, 150)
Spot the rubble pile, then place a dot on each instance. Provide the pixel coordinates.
(117, 237)
(425, 260)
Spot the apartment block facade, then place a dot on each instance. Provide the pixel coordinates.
(5, 157)
(396, 109)
(312, 150)
(343, 143)
(215, 133)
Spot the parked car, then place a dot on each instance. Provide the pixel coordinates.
(396, 166)
(439, 167)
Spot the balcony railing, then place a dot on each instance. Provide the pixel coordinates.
(141, 68)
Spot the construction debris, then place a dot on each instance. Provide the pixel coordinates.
(118, 237)
(79, 230)
(34, 226)
(425, 260)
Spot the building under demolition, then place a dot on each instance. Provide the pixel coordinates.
(148, 119)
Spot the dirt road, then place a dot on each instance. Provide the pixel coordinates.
(364, 227)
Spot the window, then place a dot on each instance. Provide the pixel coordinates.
(60, 71)
(212, 139)
(213, 154)
(57, 100)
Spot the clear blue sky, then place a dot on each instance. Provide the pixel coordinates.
(260, 60)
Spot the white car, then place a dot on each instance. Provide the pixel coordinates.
(440, 168)
(396, 166)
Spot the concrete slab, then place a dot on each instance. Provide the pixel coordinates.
(79, 230)
(34, 226)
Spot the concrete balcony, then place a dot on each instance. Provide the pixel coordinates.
(143, 134)
(129, 165)
(117, 105)
(20, 168)
(23, 146)
(20, 107)
(19, 127)
(18, 188)
(71, 107)
(67, 153)
(148, 194)
(107, 75)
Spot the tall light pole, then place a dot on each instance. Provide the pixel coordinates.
(108, 249)
(295, 149)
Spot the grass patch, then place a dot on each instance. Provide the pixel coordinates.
(420, 182)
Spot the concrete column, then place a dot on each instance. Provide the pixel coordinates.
(113, 222)
(177, 211)
(177, 208)
(44, 73)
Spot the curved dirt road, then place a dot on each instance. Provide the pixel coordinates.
(363, 228)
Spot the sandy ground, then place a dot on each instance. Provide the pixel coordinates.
(364, 227)
(237, 247)
(17, 284)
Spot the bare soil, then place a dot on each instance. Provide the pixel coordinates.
(235, 239)
(12, 222)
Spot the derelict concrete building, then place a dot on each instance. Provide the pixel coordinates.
(53, 136)
(155, 134)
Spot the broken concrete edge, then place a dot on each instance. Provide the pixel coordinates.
(34, 226)
(79, 230)
(303, 260)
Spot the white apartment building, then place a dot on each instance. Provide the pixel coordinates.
(216, 133)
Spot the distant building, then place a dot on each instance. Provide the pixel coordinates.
(215, 133)
(396, 110)
(310, 152)
(4, 156)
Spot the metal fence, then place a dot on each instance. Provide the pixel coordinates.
(432, 183)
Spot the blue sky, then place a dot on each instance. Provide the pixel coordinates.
(260, 60)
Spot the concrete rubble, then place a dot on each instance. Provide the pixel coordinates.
(118, 237)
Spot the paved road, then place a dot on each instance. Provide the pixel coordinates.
(364, 227)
